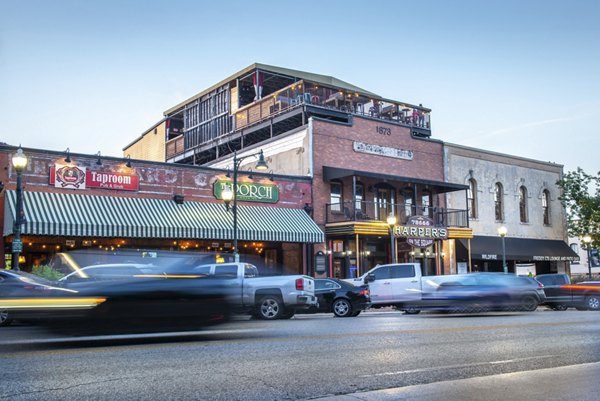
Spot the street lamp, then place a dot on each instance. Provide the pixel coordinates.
(19, 161)
(391, 220)
(230, 193)
(587, 239)
(502, 233)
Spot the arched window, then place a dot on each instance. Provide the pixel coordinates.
(523, 204)
(471, 196)
(499, 202)
(336, 196)
(546, 206)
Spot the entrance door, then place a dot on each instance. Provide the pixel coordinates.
(385, 202)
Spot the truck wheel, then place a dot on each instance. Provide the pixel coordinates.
(288, 314)
(5, 319)
(270, 307)
(355, 313)
(593, 302)
(529, 303)
(560, 307)
(412, 311)
(342, 307)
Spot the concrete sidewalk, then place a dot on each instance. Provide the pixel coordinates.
(575, 382)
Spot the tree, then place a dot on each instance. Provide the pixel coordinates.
(581, 198)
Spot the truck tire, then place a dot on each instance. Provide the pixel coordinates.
(355, 313)
(270, 307)
(342, 307)
(288, 314)
(5, 319)
(412, 311)
(593, 302)
(560, 307)
(529, 303)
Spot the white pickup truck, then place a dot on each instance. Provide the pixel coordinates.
(269, 297)
(402, 285)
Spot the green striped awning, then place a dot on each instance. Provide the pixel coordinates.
(77, 215)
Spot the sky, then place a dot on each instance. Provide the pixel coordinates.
(515, 77)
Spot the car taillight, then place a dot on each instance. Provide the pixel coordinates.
(300, 284)
(364, 292)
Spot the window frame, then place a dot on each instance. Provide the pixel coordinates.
(499, 202)
(523, 215)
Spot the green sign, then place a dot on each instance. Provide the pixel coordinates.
(17, 246)
(249, 191)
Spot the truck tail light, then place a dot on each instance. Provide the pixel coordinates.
(300, 284)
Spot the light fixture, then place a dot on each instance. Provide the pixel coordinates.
(261, 164)
(99, 160)
(391, 220)
(271, 175)
(178, 199)
(587, 239)
(19, 161)
(128, 164)
(250, 174)
(227, 195)
(68, 158)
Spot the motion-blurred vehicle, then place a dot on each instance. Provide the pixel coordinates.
(562, 294)
(269, 297)
(477, 292)
(19, 284)
(108, 272)
(340, 297)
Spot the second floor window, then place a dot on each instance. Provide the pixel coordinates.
(523, 204)
(546, 207)
(336, 197)
(471, 196)
(499, 202)
(359, 204)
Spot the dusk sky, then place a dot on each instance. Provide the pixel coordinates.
(516, 77)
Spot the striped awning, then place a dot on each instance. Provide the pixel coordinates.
(77, 215)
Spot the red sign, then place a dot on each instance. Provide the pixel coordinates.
(61, 177)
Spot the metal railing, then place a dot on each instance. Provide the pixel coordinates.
(375, 211)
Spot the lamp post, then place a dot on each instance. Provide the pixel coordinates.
(587, 239)
(230, 194)
(502, 232)
(19, 161)
(391, 220)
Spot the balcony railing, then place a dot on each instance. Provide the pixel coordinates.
(373, 211)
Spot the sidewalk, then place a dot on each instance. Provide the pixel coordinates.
(575, 382)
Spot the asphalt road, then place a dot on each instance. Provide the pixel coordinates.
(375, 356)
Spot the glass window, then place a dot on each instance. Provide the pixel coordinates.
(403, 271)
(336, 197)
(226, 270)
(546, 207)
(523, 204)
(326, 285)
(498, 202)
(408, 202)
(360, 197)
(426, 204)
(382, 273)
(202, 270)
(250, 271)
(471, 195)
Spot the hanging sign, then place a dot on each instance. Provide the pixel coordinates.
(249, 191)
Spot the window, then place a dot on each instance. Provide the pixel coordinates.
(226, 270)
(382, 273)
(523, 204)
(498, 202)
(403, 271)
(546, 206)
(426, 204)
(336, 197)
(471, 197)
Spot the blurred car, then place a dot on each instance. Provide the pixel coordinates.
(19, 284)
(342, 298)
(476, 292)
(108, 272)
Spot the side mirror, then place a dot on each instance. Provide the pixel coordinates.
(369, 277)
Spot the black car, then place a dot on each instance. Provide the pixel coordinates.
(342, 298)
(19, 284)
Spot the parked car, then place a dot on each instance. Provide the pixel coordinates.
(557, 298)
(340, 297)
(19, 284)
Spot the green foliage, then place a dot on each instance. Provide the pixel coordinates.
(581, 197)
(47, 272)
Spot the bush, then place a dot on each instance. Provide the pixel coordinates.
(47, 272)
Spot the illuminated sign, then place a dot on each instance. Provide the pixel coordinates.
(420, 231)
(249, 191)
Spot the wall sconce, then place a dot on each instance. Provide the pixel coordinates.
(271, 175)
(68, 158)
(99, 160)
(178, 199)
(128, 164)
(250, 175)
(308, 208)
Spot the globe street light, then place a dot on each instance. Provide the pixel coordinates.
(502, 232)
(587, 239)
(19, 161)
(230, 193)
(391, 220)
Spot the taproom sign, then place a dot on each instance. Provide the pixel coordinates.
(420, 231)
(75, 177)
(249, 191)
